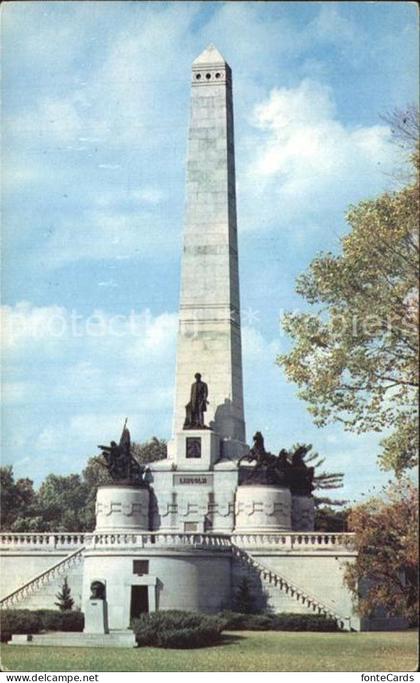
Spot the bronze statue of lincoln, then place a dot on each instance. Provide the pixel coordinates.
(197, 406)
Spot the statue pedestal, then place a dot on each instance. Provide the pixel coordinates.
(303, 513)
(262, 509)
(194, 449)
(122, 509)
(96, 616)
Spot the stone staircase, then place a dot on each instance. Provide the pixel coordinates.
(272, 578)
(40, 580)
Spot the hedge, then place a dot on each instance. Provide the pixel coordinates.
(34, 621)
(54, 620)
(284, 621)
(177, 629)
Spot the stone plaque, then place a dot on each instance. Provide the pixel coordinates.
(191, 479)
(193, 447)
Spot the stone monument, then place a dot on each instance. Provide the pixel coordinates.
(96, 612)
(195, 486)
(123, 505)
(209, 335)
(122, 508)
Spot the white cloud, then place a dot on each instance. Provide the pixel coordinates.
(111, 234)
(82, 430)
(27, 326)
(149, 195)
(110, 167)
(25, 323)
(256, 347)
(308, 162)
(331, 26)
(121, 93)
(84, 382)
(15, 392)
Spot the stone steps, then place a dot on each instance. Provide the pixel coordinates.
(282, 583)
(42, 579)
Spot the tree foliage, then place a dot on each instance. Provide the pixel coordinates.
(64, 600)
(17, 502)
(326, 518)
(150, 451)
(355, 358)
(244, 598)
(322, 479)
(386, 538)
(62, 503)
(329, 519)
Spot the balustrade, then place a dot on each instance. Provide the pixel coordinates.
(280, 541)
(295, 541)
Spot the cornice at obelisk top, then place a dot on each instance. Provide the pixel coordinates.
(210, 56)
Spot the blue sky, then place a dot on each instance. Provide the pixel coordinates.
(95, 110)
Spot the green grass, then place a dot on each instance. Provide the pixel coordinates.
(241, 651)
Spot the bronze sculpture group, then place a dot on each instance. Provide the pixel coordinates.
(121, 464)
(278, 470)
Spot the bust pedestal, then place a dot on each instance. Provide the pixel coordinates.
(96, 616)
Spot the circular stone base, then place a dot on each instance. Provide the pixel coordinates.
(263, 509)
(303, 513)
(121, 509)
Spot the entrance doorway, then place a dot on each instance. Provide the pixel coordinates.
(139, 601)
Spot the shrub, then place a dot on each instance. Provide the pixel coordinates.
(18, 621)
(239, 621)
(235, 621)
(177, 629)
(54, 620)
(34, 621)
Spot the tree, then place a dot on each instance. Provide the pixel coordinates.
(326, 518)
(62, 500)
(244, 601)
(329, 519)
(386, 538)
(149, 451)
(65, 601)
(322, 480)
(355, 359)
(18, 503)
(94, 475)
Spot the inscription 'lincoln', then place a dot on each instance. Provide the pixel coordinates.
(192, 479)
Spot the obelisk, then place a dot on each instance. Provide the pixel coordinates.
(209, 335)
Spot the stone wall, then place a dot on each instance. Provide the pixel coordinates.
(190, 572)
(18, 568)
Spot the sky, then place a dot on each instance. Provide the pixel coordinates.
(95, 122)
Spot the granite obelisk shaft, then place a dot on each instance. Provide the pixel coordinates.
(209, 337)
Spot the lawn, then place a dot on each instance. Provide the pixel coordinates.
(241, 651)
